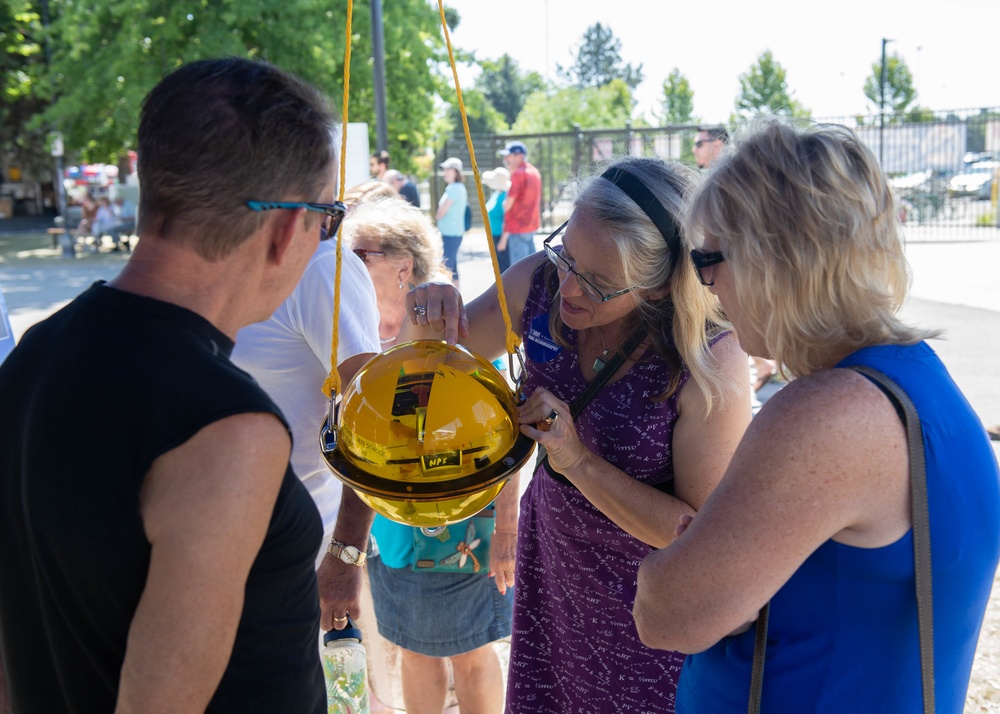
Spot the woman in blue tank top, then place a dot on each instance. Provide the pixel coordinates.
(799, 240)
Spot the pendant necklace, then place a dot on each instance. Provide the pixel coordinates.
(602, 361)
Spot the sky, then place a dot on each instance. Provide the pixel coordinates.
(827, 49)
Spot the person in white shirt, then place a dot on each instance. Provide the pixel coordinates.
(289, 356)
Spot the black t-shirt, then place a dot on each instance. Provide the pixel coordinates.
(91, 397)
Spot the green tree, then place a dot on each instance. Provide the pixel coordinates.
(678, 99)
(502, 83)
(764, 90)
(22, 61)
(108, 54)
(899, 91)
(483, 116)
(609, 106)
(599, 61)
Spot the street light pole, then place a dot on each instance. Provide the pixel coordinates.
(881, 105)
(378, 53)
(57, 142)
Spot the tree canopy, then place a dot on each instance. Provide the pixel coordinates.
(764, 90)
(899, 91)
(678, 99)
(107, 55)
(599, 61)
(505, 87)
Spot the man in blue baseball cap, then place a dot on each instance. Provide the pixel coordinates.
(522, 215)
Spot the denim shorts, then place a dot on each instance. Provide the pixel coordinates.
(438, 614)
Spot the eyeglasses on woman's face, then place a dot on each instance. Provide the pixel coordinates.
(365, 254)
(564, 266)
(331, 222)
(704, 264)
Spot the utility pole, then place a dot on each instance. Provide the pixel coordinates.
(881, 106)
(378, 52)
(57, 142)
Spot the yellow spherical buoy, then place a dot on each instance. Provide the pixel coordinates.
(427, 434)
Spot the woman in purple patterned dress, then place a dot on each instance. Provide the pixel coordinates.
(649, 447)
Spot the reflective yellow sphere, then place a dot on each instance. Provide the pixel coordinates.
(428, 434)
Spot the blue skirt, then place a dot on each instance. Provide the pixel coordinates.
(438, 614)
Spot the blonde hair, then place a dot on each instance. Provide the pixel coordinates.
(370, 190)
(683, 322)
(401, 230)
(807, 223)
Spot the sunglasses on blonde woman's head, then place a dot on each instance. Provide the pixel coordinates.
(364, 254)
(704, 264)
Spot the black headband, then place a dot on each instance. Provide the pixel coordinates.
(644, 199)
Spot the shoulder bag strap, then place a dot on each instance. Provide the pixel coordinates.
(921, 548)
(921, 525)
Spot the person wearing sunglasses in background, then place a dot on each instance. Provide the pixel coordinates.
(171, 568)
(798, 237)
(431, 616)
(649, 447)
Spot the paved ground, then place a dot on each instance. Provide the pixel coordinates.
(955, 287)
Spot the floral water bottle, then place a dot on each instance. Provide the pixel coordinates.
(346, 671)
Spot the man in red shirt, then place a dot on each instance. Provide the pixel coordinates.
(521, 208)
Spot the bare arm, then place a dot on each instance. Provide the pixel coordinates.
(338, 592)
(205, 507)
(478, 326)
(504, 544)
(805, 473)
(442, 209)
(702, 445)
(340, 582)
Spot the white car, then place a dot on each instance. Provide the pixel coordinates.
(976, 181)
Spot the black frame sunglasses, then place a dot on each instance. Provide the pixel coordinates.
(706, 259)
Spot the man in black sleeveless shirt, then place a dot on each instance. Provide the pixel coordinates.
(170, 569)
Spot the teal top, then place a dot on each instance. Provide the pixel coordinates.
(453, 222)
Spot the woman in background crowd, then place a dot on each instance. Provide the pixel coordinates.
(450, 213)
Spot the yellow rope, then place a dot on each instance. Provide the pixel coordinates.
(331, 385)
(513, 340)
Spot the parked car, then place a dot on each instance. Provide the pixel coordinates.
(977, 180)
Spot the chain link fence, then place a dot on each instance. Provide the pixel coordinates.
(945, 168)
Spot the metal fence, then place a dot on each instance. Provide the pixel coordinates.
(945, 168)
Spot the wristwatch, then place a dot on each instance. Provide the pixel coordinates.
(347, 553)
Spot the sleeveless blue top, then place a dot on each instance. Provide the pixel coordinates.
(843, 630)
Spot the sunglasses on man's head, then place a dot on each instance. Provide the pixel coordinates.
(698, 144)
(331, 222)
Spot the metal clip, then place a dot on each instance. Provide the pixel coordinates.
(328, 434)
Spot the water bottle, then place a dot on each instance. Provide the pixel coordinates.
(345, 668)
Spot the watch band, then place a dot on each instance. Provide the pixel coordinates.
(347, 553)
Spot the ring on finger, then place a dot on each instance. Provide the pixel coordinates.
(420, 310)
(553, 415)
(340, 619)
